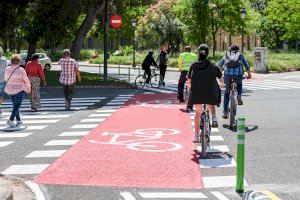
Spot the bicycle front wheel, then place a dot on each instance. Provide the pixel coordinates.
(140, 82)
(155, 81)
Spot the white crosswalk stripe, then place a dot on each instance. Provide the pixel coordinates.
(270, 85)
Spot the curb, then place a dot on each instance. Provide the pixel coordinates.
(6, 194)
(89, 87)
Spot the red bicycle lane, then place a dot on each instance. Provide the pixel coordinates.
(146, 143)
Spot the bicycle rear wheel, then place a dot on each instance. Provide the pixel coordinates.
(155, 81)
(203, 128)
(232, 111)
(140, 82)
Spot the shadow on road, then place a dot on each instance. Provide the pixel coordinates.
(248, 128)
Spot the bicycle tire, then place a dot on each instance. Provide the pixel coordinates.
(155, 80)
(232, 111)
(140, 82)
(203, 133)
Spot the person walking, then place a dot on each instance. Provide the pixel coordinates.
(35, 74)
(233, 61)
(68, 74)
(163, 61)
(148, 61)
(17, 83)
(3, 65)
(185, 60)
(204, 87)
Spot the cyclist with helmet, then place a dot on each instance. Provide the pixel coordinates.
(204, 87)
(184, 62)
(233, 61)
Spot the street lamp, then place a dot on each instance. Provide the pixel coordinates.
(133, 24)
(243, 16)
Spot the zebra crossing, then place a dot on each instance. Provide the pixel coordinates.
(35, 121)
(57, 146)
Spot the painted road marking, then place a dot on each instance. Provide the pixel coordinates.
(114, 104)
(41, 116)
(50, 121)
(6, 128)
(216, 163)
(74, 133)
(100, 115)
(45, 154)
(61, 142)
(106, 111)
(219, 195)
(14, 135)
(270, 194)
(216, 138)
(127, 196)
(172, 195)
(93, 120)
(78, 126)
(215, 149)
(220, 181)
(36, 190)
(4, 144)
(25, 169)
(215, 130)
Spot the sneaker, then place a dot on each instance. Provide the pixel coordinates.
(196, 139)
(214, 123)
(19, 123)
(225, 115)
(11, 123)
(239, 100)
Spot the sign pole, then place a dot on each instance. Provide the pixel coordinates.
(105, 40)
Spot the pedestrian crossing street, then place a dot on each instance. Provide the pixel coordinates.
(60, 144)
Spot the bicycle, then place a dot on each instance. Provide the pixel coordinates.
(205, 128)
(233, 103)
(155, 79)
(186, 95)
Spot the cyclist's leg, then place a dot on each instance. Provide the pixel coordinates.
(227, 81)
(148, 72)
(181, 83)
(212, 110)
(239, 88)
(198, 113)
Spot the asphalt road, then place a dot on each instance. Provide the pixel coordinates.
(272, 142)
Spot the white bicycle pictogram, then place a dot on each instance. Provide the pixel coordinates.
(144, 140)
(162, 103)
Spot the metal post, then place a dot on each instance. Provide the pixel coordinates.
(240, 154)
(119, 70)
(105, 39)
(139, 69)
(243, 27)
(128, 74)
(100, 68)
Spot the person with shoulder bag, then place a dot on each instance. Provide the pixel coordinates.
(17, 83)
(3, 65)
(163, 61)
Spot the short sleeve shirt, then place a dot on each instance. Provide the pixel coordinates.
(69, 66)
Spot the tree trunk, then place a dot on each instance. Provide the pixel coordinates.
(93, 10)
(31, 50)
(4, 41)
(214, 44)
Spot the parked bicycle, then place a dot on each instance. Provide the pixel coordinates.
(205, 128)
(155, 79)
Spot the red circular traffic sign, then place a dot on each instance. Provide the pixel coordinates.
(116, 21)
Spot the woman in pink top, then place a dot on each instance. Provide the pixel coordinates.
(35, 74)
(17, 83)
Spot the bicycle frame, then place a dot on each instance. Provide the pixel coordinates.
(205, 130)
(233, 103)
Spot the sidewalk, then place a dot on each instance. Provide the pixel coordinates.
(14, 189)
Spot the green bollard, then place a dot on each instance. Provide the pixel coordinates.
(240, 154)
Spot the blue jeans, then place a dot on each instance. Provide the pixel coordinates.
(227, 80)
(16, 101)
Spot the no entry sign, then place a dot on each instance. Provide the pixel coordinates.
(116, 21)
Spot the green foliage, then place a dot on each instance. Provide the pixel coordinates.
(125, 50)
(87, 79)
